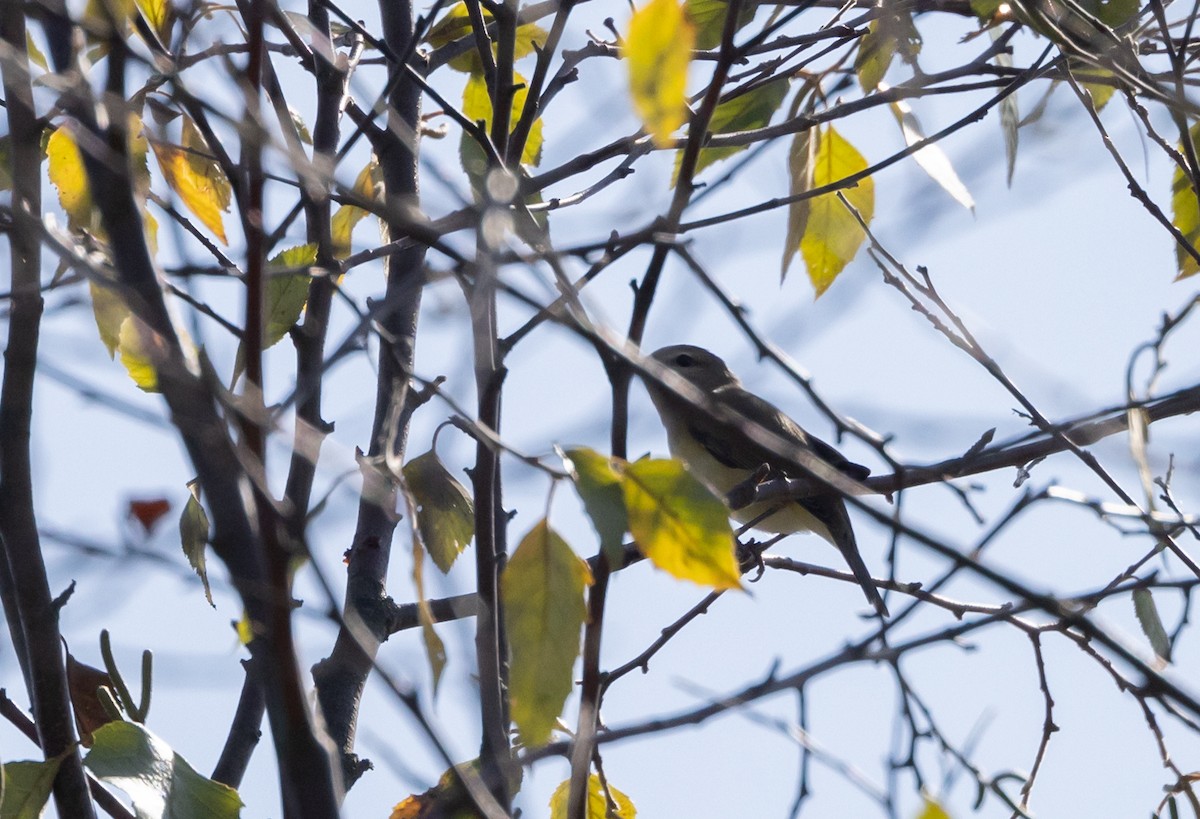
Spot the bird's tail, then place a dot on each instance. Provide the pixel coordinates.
(831, 511)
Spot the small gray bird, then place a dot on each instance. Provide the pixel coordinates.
(723, 457)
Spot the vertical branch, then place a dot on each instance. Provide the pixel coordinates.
(620, 377)
(368, 611)
(25, 588)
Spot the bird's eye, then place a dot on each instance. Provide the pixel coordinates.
(684, 360)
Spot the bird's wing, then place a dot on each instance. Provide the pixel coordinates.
(738, 452)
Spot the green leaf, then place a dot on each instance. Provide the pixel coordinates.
(599, 487)
(679, 524)
(886, 37)
(1152, 625)
(542, 587)
(751, 110)
(1185, 211)
(658, 49)
(832, 236)
(597, 801)
(160, 782)
(286, 291)
(193, 534)
(445, 510)
(708, 16)
(26, 787)
(35, 54)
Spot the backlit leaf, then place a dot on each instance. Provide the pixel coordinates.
(658, 48)
(445, 510)
(286, 291)
(66, 173)
(744, 113)
(1185, 212)
(832, 236)
(477, 106)
(544, 610)
(708, 17)
(369, 185)
(160, 15)
(456, 24)
(679, 524)
(931, 158)
(139, 348)
(196, 178)
(597, 801)
(599, 486)
(160, 782)
(26, 787)
(193, 535)
(110, 312)
(932, 810)
(1010, 115)
(887, 36)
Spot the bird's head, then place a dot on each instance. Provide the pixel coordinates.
(696, 364)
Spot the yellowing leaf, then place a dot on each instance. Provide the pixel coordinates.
(287, 291)
(1185, 212)
(751, 110)
(679, 524)
(66, 173)
(885, 37)
(708, 17)
(456, 24)
(110, 311)
(658, 48)
(368, 185)
(193, 535)
(140, 347)
(597, 801)
(196, 178)
(35, 54)
(801, 162)
(445, 510)
(477, 106)
(544, 610)
(599, 486)
(832, 235)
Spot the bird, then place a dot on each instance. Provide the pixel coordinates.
(722, 456)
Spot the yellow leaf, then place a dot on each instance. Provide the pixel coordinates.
(832, 235)
(196, 178)
(542, 588)
(658, 48)
(597, 801)
(1185, 213)
(110, 311)
(679, 524)
(456, 24)
(66, 173)
(368, 185)
(140, 347)
(160, 15)
(35, 54)
(477, 106)
(932, 810)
